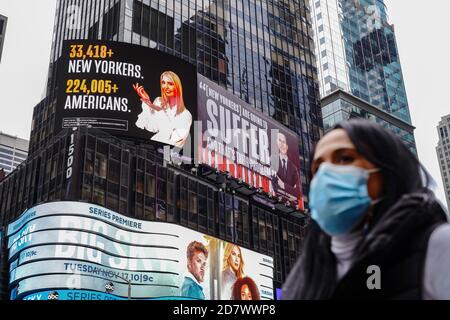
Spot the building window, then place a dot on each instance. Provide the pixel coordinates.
(262, 230)
(100, 166)
(192, 204)
(153, 24)
(110, 24)
(161, 196)
(6, 157)
(202, 207)
(7, 151)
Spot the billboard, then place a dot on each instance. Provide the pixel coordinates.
(127, 90)
(137, 92)
(249, 145)
(79, 295)
(83, 251)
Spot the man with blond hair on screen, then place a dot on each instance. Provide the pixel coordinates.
(197, 257)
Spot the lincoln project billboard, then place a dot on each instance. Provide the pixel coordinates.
(127, 90)
(249, 145)
(73, 250)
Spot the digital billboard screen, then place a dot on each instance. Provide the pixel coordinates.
(127, 90)
(78, 250)
(142, 93)
(251, 146)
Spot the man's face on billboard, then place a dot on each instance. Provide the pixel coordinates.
(168, 86)
(282, 144)
(197, 266)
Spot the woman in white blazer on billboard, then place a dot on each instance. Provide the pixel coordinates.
(167, 115)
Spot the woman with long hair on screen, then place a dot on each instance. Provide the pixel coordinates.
(232, 269)
(167, 116)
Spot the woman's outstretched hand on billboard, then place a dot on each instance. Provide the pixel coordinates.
(145, 97)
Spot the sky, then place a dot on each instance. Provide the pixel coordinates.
(421, 29)
(25, 61)
(422, 37)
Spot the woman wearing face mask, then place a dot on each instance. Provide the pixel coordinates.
(377, 231)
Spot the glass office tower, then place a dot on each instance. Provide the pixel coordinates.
(443, 153)
(261, 51)
(357, 52)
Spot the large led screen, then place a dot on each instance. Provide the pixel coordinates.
(74, 250)
(127, 90)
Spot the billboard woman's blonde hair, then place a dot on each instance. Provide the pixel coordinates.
(226, 255)
(180, 101)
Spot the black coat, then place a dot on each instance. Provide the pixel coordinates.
(290, 178)
(397, 244)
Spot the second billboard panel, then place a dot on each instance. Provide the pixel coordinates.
(248, 144)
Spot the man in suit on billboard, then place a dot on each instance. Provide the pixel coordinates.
(197, 257)
(286, 181)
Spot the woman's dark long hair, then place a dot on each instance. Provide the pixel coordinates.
(402, 174)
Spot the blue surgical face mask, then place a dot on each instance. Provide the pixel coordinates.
(338, 197)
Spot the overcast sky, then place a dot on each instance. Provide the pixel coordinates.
(422, 36)
(421, 29)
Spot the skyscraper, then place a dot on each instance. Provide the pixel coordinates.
(443, 154)
(3, 21)
(357, 52)
(13, 151)
(260, 51)
(341, 105)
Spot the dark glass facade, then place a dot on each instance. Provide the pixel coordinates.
(261, 51)
(341, 106)
(443, 154)
(134, 181)
(357, 53)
